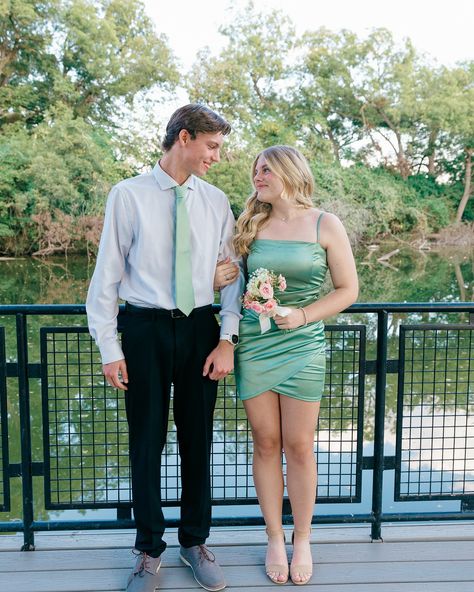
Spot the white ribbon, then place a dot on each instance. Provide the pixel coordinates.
(264, 318)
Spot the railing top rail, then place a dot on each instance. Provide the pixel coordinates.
(365, 307)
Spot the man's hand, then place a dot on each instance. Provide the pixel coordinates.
(116, 374)
(221, 359)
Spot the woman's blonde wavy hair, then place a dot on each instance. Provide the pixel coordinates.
(292, 168)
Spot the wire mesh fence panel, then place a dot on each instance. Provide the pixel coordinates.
(85, 433)
(339, 438)
(435, 419)
(86, 436)
(4, 463)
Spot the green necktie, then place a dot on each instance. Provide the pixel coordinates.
(184, 292)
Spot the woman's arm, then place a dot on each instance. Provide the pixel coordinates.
(342, 269)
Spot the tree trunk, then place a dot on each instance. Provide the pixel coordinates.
(403, 165)
(402, 162)
(460, 281)
(432, 152)
(334, 144)
(467, 185)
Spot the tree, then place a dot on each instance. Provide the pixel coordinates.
(325, 104)
(386, 86)
(109, 52)
(64, 168)
(461, 126)
(69, 72)
(447, 112)
(91, 56)
(247, 81)
(26, 62)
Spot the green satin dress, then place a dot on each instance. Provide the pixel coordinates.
(289, 362)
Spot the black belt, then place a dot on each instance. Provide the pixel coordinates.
(154, 312)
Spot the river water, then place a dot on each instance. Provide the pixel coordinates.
(407, 276)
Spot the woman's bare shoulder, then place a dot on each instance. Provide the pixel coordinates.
(331, 229)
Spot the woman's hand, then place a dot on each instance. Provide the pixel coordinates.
(226, 273)
(296, 318)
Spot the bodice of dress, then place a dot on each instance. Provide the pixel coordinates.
(303, 264)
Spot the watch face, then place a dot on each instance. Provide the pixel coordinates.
(235, 339)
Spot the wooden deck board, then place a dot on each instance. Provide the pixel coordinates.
(220, 536)
(243, 555)
(247, 577)
(413, 558)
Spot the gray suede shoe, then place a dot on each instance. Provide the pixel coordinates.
(144, 575)
(206, 570)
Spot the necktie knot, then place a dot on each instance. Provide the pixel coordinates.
(180, 191)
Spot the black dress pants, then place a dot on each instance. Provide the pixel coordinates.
(159, 351)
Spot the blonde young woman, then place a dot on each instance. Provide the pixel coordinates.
(280, 374)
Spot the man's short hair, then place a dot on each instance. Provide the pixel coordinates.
(195, 118)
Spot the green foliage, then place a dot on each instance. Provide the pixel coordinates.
(343, 98)
(65, 165)
(374, 201)
(69, 69)
(246, 81)
(232, 175)
(80, 82)
(90, 56)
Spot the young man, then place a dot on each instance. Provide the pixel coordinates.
(163, 234)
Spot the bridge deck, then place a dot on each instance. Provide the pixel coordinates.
(435, 557)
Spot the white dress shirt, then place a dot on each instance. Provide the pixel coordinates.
(136, 253)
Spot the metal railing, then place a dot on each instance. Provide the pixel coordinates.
(73, 435)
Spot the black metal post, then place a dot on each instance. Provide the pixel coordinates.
(25, 432)
(380, 386)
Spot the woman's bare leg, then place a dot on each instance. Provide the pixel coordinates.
(299, 420)
(263, 412)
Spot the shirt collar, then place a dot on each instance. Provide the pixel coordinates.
(166, 182)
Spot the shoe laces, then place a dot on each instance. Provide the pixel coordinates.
(143, 565)
(206, 554)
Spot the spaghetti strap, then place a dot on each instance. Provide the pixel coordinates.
(317, 226)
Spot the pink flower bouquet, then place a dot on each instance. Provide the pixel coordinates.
(260, 296)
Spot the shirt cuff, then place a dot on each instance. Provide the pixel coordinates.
(229, 324)
(111, 352)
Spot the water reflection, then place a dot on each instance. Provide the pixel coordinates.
(412, 276)
(88, 439)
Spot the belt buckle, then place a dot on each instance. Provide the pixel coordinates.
(177, 314)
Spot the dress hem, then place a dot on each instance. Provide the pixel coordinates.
(281, 393)
(273, 387)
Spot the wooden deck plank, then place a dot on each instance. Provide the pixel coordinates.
(180, 577)
(242, 555)
(414, 558)
(220, 536)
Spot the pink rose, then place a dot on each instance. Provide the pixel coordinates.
(257, 307)
(266, 291)
(282, 284)
(270, 305)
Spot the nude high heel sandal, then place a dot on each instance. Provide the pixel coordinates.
(274, 570)
(303, 571)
